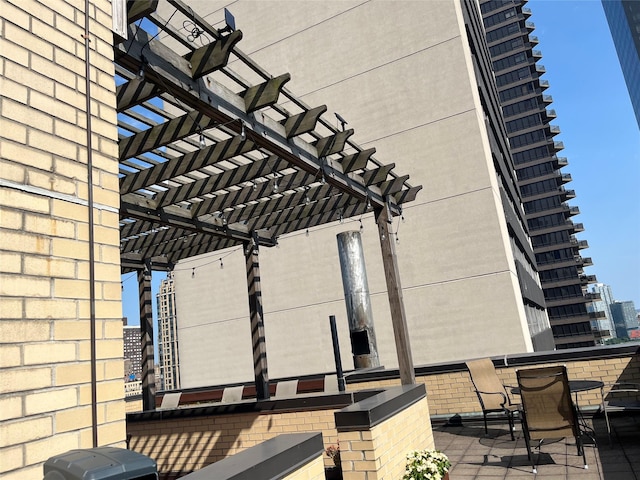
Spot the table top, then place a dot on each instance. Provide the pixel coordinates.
(584, 385)
(575, 386)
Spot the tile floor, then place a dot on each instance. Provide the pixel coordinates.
(494, 456)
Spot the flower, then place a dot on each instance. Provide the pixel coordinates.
(426, 465)
(333, 452)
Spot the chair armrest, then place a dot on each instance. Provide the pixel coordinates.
(505, 399)
(623, 387)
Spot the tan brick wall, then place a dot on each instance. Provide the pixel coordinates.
(452, 393)
(44, 248)
(313, 470)
(379, 453)
(186, 444)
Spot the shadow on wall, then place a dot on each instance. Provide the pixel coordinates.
(183, 445)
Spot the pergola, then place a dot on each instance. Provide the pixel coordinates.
(210, 160)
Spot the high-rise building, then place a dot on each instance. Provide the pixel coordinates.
(132, 352)
(624, 317)
(416, 80)
(624, 22)
(602, 299)
(539, 169)
(168, 335)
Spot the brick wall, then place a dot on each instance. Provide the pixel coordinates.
(452, 392)
(311, 471)
(183, 445)
(379, 453)
(45, 388)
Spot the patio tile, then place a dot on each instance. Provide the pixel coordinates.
(479, 456)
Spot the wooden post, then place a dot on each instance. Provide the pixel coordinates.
(146, 335)
(257, 326)
(396, 302)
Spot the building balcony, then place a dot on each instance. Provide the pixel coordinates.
(566, 178)
(586, 279)
(536, 54)
(546, 98)
(533, 40)
(578, 227)
(574, 211)
(526, 12)
(554, 129)
(587, 262)
(597, 315)
(544, 84)
(593, 296)
(530, 26)
(540, 68)
(562, 162)
(551, 113)
(568, 194)
(558, 146)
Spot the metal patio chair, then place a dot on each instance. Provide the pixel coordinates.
(547, 409)
(492, 394)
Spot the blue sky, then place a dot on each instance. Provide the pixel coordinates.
(600, 135)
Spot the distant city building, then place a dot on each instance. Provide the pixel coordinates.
(168, 335)
(132, 352)
(602, 298)
(624, 22)
(624, 318)
(527, 119)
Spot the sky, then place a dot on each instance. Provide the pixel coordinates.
(600, 135)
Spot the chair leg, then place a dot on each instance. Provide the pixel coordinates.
(511, 427)
(486, 429)
(582, 452)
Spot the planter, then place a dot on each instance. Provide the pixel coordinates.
(333, 473)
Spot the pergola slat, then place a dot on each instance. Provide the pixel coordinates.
(356, 161)
(391, 187)
(265, 94)
(213, 183)
(332, 144)
(373, 177)
(164, 133)
(304, 122)
(134, 92)
(190, 162)
(213, 56)
(137, 9)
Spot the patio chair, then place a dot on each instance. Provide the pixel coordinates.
(620, 397)
(491, 392)
(547, 408)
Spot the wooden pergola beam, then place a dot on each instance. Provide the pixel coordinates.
(264, 94)
(304, 122)
(333, 143)
(213, 56)
(163, 134)
(356, 161)
(378, 175)
(214, 183)
(391, 187)
(134, 92)
(187, 163)
(137, 9)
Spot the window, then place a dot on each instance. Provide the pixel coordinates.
(534, 171)
(499, 17)
(509, 61)
(547, 221)
(520, 107)
(502, 32)
(542, 204)
(506, 47)
(514, 76)
(524, 123)
(530, 155)
(518, 91)
(527, 139)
